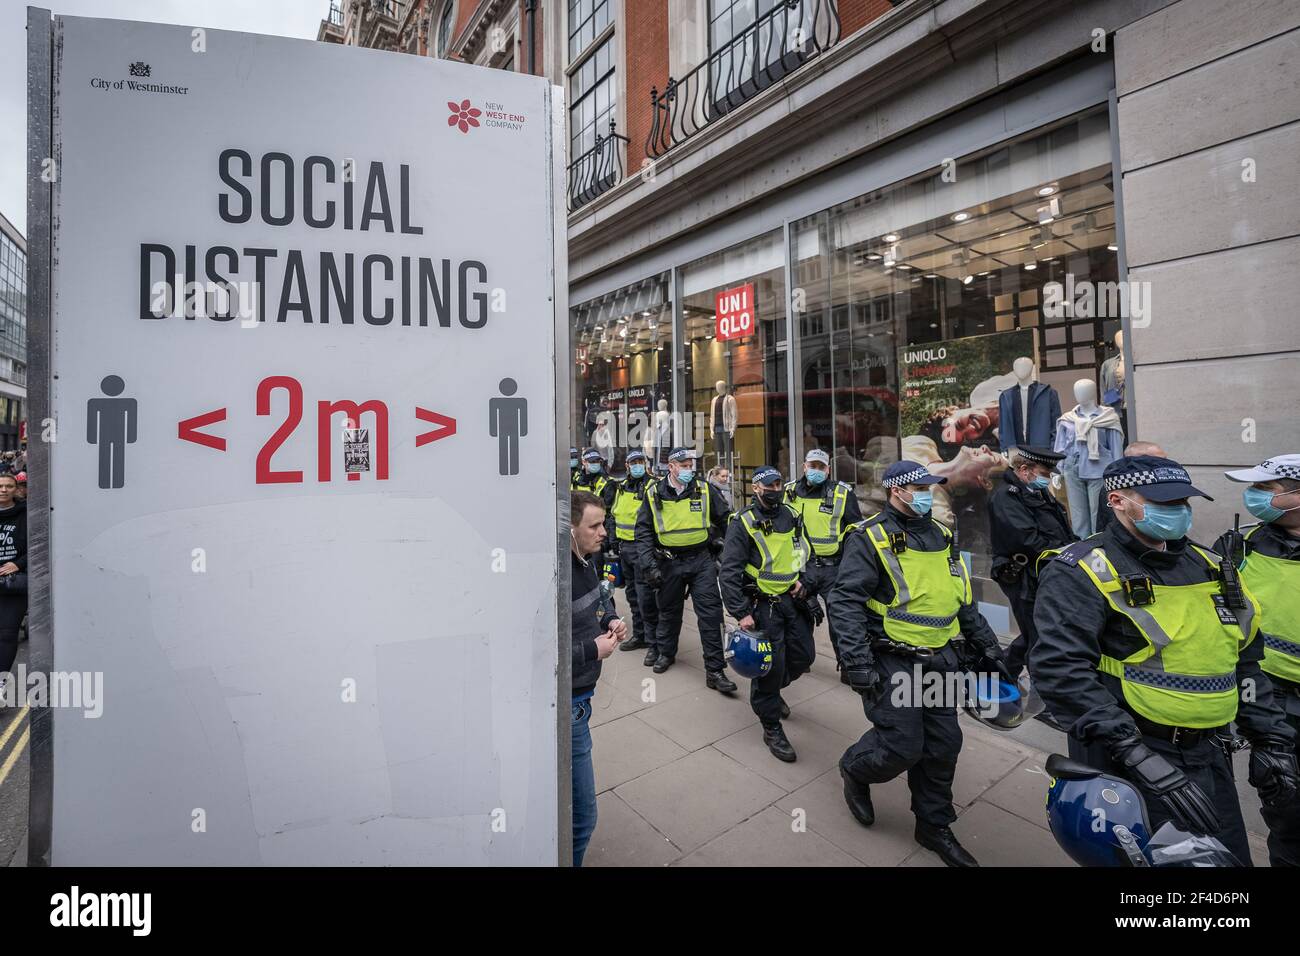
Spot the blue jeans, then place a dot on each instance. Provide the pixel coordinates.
(584, 779)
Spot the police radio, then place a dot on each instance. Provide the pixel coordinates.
(1234, 556)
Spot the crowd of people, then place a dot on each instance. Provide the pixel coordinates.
(13, 559)
(1157, 656)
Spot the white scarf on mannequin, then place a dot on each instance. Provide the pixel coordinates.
(1086, 427)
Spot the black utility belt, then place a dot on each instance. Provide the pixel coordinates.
(686, 551)
(887, 646)
(1184, 737)
(826, 560)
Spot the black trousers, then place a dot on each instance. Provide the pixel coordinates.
(790, 634)
(1206, 765)
(908, 737)
(821, 578)
(695, 575)
(1022, 609)
(1284, 822)
(12, 609)
(640, 596)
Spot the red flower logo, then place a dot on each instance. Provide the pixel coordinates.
(462, 115)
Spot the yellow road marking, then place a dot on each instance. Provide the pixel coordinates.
(9, 731)
(13, 755)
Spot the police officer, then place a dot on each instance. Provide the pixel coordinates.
(575, 469)
(1146, 651)
(673, 530)
(828, 508)
(1024, 521)
(593, 478)
(902, 595)
(1271, 570)
(766, 547)
(629, 494)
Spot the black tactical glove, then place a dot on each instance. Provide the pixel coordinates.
(654, 575)
(1187, 803)
(1273, 772)
(865, 682)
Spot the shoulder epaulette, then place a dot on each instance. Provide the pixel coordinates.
(1073, 553)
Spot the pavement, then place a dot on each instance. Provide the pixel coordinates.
(683, 778)
(14, 778)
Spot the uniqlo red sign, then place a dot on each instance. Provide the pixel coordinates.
(735, 308)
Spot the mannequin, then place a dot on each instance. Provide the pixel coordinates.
(1027, 412)
(1090, 437)
(1113, 391)
(722, 421)
(603, 440)
(663, 433)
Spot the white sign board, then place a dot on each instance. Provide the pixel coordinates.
(304, 510)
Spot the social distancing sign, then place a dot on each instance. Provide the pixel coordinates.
(303, 501)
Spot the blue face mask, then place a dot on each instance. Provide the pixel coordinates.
(815, 476)
(1260, 503)
(593, 468)
(573, 463)
(1165, 522)
(1041, 482)
(638, 471)
(686, 476)
(922, 502)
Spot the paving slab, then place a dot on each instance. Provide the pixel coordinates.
(1023, 792)
(698, 718)
(838, 709)
(979, 766)
(610, 703)
(818, 750)
(626, 748)
(698, 797)
(886, 843)
(999, 838)
(769, 838)
(622, 838)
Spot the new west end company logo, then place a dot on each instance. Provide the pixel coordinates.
(465, 115)
(139, 70)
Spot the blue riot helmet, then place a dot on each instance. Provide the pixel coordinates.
(748, 653)
(996, 701)
(1097, 819)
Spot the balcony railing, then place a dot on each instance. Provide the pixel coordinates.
(598, 169)
(336, 15)
(765, 52)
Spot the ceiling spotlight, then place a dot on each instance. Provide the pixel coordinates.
(1046, 190)
(967, 280)
(983, 274)
(874, 257)
(1031, 266)
(892, 237)
(960, 216)
(646, 312)
(599, 326)
(902, 265)
(1112, 247)
(934, 325)
(931, 275)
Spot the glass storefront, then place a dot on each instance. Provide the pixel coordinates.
(907, 307)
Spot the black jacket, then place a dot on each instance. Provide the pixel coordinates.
(826, 491)
(645, 522)
(13, 535)
(591, 618)
(1024, 520)
(740, 550)
(861, 577)
(1076, 626)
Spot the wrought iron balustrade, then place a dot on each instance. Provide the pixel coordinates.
(598, 169)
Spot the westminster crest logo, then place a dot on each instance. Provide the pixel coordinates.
(140, 68)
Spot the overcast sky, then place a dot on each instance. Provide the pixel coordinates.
(290, 18)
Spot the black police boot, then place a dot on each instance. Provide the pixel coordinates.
(662, 663)
(719, 681)
(778, 743)
(785, 708)
(651, 655)
(858, 797)
(943, 842)
(633, 645)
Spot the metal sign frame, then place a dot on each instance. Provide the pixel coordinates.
(43, 164)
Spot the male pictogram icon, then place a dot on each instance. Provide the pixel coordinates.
(110, 424)
(508, 422)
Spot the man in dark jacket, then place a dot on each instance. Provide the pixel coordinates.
(1147, 657)
(902, 597)
(1024, 521)
(596, 632)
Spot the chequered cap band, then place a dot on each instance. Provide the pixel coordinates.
(765, 476)
(1156, 476)
(1281, 470)
(681, 454)
(906, 479)
(1038, 459)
